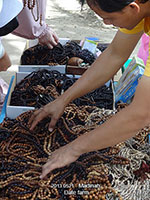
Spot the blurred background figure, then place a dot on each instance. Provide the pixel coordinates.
(82, 3)
(31, 25)
(8, 22)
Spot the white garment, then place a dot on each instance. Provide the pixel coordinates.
(2, 50)
(3, 91)
(8, 10)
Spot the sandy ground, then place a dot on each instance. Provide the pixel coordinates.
(68, 21)
(66, 18)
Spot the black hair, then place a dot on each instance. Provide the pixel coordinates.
(113, 5)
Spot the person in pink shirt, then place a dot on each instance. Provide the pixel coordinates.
(31, 25)
(8, 23)
(143, 51)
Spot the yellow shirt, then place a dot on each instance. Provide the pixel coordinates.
(144, 25)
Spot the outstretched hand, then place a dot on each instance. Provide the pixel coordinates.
(59, 158)
(54, 110)
(49, 38)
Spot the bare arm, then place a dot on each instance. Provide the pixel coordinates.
(105, 67)
(102, 70)
(120, 127)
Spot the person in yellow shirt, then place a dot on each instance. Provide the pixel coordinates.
(133, 18)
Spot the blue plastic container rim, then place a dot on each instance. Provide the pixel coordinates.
(92, 38)
(3, 112)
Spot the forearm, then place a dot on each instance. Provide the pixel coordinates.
(97, 75)
(105, 67)
(124, 125)
(120, 127)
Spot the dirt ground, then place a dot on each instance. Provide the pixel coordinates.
(67, 19)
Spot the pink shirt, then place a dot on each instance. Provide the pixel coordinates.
(32, 22)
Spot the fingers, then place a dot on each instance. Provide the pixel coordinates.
(50, 46)
(52, 124)
(46, 169)
(56, 38)
(50, 110)
(36, 117)
(58, 159)
(49, 41)
(52, 40)
(52, 36)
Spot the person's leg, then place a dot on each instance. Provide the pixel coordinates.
(5, 62)
(4, 59)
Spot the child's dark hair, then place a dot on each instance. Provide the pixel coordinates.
(113, 5)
